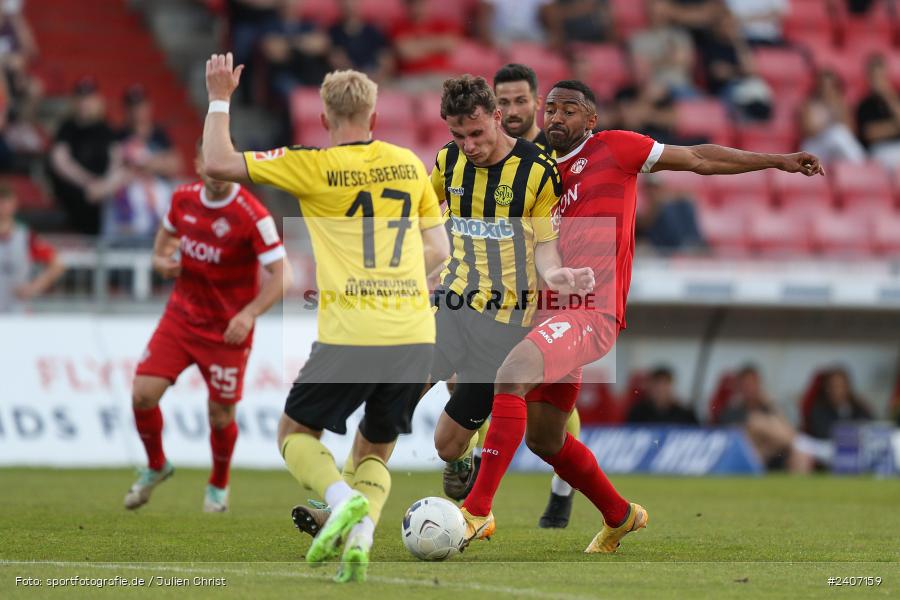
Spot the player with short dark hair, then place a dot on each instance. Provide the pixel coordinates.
(537, 382)
(223, 234)
(376, 230)
(500, 194)
(516, 87)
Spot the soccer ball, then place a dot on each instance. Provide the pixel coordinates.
(433, 529)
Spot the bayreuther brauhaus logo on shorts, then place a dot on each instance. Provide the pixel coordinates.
(503, 195)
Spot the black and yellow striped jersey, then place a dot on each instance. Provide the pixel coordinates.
(541, 142)
(496, 216)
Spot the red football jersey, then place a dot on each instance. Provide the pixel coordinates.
(597, 207)
(223, 243)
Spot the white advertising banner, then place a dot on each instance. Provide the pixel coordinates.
(65, 398)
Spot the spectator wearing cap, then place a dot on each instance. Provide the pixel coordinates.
(20, 252)
(85, 160)
(149, 164)
(658, 402)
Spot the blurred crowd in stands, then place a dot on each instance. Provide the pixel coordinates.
(740, 399)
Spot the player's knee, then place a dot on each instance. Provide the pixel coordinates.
(143, 398)
(220, 415)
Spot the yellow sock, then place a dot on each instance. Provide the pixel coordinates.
(573, 425)
(373, 480)
(482, 432)
(349, 469)
(473, 441)
(310, 462)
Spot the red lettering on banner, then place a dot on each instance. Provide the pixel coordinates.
(72, 376)
(47, 371)
(266, 377)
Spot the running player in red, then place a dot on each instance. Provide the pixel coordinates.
(538, 383)
(223, 234)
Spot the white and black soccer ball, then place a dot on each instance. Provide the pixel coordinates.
(433, 529)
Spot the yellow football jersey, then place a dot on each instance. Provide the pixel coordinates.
(497, 216)
(365, 205)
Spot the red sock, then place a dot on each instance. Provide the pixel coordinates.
(150, 425)
(504, 435)
(578, 467)
(222, 443)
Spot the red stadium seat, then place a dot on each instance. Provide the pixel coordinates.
(313, 135)
(784, 69)
(725, 186)
(765, 139)
(401, 136)
(428, 118)
(724, 230)
(705, 118)
(324, 12)
(886, 234)
(835, 233)
(877, 23)
(790, 187)
(861, 184)
(451, 12)
(778, 233)
(394, 109)
(747, 201)
(597, 405)
(809, 398)
(694, 185)
(809, 22)
(720, 398)
(604, 67)
(385, 14)
(477, 59)
(847, 66)
(549, 66)
(32, 197)
(628, 16)
(306, 105)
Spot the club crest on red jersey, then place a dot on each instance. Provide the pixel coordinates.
(270, 154)
(221, 227)
(578, 166)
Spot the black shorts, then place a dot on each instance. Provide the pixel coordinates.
(473, 346)
(336, 380)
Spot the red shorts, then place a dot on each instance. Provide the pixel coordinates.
(172, 349)
(568, 341)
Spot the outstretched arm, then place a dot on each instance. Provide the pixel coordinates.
(221, 159)
(711, 159)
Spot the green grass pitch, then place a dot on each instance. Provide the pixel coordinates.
(773, 537)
